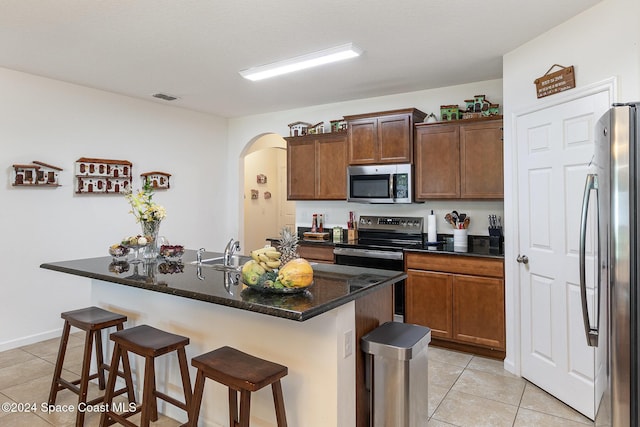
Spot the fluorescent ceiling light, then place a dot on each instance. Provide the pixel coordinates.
(302, 62)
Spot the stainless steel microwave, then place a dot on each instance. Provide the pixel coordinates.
(379, 183)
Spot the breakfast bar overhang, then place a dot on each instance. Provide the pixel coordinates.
(315, 333)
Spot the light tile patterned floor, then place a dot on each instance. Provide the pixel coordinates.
(464, 391)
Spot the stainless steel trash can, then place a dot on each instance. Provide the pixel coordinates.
(397, 374)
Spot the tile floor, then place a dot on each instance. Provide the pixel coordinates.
(464, 390)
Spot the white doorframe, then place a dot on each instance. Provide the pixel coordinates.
(512, 362)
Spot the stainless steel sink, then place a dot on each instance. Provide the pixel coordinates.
(236, 263)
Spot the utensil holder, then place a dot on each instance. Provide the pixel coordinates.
(460, 240)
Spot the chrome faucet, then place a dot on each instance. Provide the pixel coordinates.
(229, 250)
(199, 255)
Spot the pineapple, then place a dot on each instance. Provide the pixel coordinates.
(288, 245)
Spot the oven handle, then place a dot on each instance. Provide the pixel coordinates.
(368, 253)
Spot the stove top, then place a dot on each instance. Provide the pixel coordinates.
(389, 233)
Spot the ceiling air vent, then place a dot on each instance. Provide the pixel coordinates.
(165, 97)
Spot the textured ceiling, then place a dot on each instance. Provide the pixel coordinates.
(193, 49)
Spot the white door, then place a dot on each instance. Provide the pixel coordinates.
(555, 146)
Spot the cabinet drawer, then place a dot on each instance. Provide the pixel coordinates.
(316, 253)
(460, 264)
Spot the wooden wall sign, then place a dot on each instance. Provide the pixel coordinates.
(555, 82)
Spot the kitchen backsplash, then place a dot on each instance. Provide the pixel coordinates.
(336, 213)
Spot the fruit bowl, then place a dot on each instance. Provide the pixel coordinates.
(278, 290)
(172, 252)
(118, 252)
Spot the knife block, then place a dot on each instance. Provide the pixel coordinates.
(496, 240)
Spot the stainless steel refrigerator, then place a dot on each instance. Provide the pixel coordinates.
(611, 312)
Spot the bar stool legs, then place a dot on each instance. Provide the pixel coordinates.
(241, 373)
(92, 320)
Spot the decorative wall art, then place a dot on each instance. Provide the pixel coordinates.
(102, 176)
(261, 179)
(299, 128)
(157, 180)
(36, 174)
(254, 194)
(317, 128)
(267, 194)
(339, 125)
(475, 108)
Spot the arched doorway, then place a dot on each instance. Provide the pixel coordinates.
(266, 208)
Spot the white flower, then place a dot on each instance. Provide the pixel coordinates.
(143, 207)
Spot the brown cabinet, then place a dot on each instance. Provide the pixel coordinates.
(316, 252)
(317, 167)
(459, 160)
(383, 137)
(461, 298)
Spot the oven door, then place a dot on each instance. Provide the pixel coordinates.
(376, 258)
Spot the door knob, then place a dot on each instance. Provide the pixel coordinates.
(523, 259)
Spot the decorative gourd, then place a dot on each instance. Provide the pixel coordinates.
(297, 273)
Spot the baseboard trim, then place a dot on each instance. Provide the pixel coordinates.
(31, 339)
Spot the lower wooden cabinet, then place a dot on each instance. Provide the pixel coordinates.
(461, 298)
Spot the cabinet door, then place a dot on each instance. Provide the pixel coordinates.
(481, 163)
(363, 135)
(331, 168)
(437, 162)
(428, 301)
(317, 253)
(301, 161)
(478, 311)
(394, 139)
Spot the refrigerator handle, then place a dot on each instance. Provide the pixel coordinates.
(590, 184)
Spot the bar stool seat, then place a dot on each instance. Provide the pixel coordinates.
(92, 320)
(148, 342)
(240, 372)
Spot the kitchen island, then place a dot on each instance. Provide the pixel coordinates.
(315, 333)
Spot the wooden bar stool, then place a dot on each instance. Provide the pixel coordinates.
(150, 343)
(92, 320)
(240, 372)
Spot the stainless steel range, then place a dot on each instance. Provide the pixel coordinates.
(381, 241)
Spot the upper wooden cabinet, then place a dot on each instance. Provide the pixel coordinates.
(459, 160)
(383, 137)
(317, 167)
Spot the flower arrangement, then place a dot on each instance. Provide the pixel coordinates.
(143, 207)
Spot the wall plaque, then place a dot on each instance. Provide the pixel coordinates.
(555, 82)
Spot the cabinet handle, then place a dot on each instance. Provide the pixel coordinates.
(523, 259)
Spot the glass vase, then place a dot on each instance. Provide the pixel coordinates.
(150, 230)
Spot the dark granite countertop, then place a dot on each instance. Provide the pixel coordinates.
(426, 250)
(333, 286)
(478, 246)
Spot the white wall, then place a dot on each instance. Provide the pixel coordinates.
(245, 129)
(57, 123)
(602, 42)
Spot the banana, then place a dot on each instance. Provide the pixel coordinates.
(255, 254)
(265, 266)
(273, 254)
(274, 264)
(263, 257)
